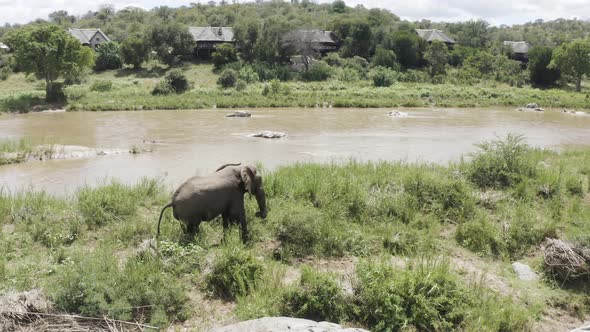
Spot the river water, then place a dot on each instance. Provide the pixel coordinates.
(197, 142)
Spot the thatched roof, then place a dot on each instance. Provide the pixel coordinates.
(312, 36)
(431, 35)
(521, 47)
(85, 35)
(212, 34)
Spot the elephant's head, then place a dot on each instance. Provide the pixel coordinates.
(253, 185)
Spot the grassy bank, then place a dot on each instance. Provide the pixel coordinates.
(386, 246)
(131, 90)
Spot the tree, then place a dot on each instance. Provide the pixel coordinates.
(539, 73)
(108, 56)
(573, 59)
(407, 48)
(246, 34)
(357, 36)
(437, 56)
(300, 43)
(384, 58)
(472, 33)
(339, 6)
(49, 52)
(61, 17)
(171, 41)
(224, 54)
(135, 50)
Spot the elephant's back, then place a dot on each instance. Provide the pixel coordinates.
(198, 187)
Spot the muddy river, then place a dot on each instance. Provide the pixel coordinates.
(197, 142)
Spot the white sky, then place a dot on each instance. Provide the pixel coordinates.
(494, 11)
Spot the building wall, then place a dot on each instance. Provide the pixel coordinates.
(96, 40)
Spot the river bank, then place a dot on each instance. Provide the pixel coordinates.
(365, 244)
(131, 90)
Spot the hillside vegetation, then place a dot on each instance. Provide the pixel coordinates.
(388, 246)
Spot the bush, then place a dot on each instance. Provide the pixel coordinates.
(248, 74)
(108, 56)
(383, 77)
(224, 54)
(228, 78)
(74, 93)
(384, 58)
(241, 85)
(140, 291)
(348, 75)
(162, 88)
(413, 76)
(319, 297)
(267, 71)
(502, 163)
(106, 204)
(480, 235)
(318, 71)
(101, 86)
(175, 82)
(235, 273)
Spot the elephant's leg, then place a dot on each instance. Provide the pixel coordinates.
(193, 226)
(225, 217)
(239, 214)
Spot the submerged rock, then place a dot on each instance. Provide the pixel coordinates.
(582, 329)
(398, 114)
(524, 272)
(239, 114)
(280, 324)
(573, 112)
(269, 134)
(531, 107)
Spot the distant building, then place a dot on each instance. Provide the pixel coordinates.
(520, 50)
(430, 35)
(207, 38)
(90, 37)
(4, 48)
(320, 41)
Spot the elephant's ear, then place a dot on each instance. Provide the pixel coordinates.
(248, 174)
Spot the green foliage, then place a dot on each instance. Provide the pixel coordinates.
(162, 88)
(502, 163)
(356, 35)
(248, 74)
(383, 77)
(460, 53)
(480, 235)
(49, 52)
(572, 59)
(108, 56)
(339, 6)
(141, 290)
(318, 71)
(106, 204)
(539, 71)
(224, 54)
(228, 78)
(318, 298)
(407, 46)
(437, 56)
(235, 272)
(482, 62)
(472, 33)
(348, 75)
(101, 86)
(174, 82)
(135, 50)
(171, 42)
(384, 58)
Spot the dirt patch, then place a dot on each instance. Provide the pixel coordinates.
(478, 270)
(208, 313)
(556, 320)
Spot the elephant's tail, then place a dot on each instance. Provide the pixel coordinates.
(161, 214)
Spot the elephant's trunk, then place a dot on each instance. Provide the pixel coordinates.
(261, 199)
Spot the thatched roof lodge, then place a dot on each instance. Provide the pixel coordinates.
(520, 49)
(90, 37)
(430, 35)
(321, 41)
(207, 38)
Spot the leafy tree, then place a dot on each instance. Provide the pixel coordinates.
(228, 78)
(268, 46)
(482, 62)
(224, 54)
(384, 58)
(382, 76)
(171, 42)
(573, 59)
(135, 50)
(61, 17)
(437, 56)
(357, 36)
(539, 60)
(338, 6)
(108, 56)
(246, 34)
(472, 33)
(460, 53)
(407, 48)
(49, 52)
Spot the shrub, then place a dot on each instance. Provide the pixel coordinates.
(383, 77)
(248, 74)
(319, 71)
(502, 163)
(235, 272)
(228, 78)
(74, 93)
(348, 75)
(241, 85)
(319, 297)
(224, 54)
(413, 76)
(267, 71)
(141, 290)
(106, 204)
(333, 59)
(480, 235)
(108, 56)
(178, 81)
(101, 86)
(384, 58)
(162, 88)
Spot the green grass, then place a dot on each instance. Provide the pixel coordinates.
(131, 90)
(394, 222)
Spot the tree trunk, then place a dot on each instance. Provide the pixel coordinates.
(49, 94)
(578, 84)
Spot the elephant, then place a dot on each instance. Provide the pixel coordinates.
(221, 193)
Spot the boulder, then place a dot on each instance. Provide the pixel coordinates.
(239, 114)
(524, 272)
(532, 105)
(398, 114)
(280, 324)
(269, 134)
(528, 109)
(582, 329)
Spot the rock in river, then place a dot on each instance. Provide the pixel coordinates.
(239, 114)
(398, 114)
(280, 324)
(531, 107)
(269, 134)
